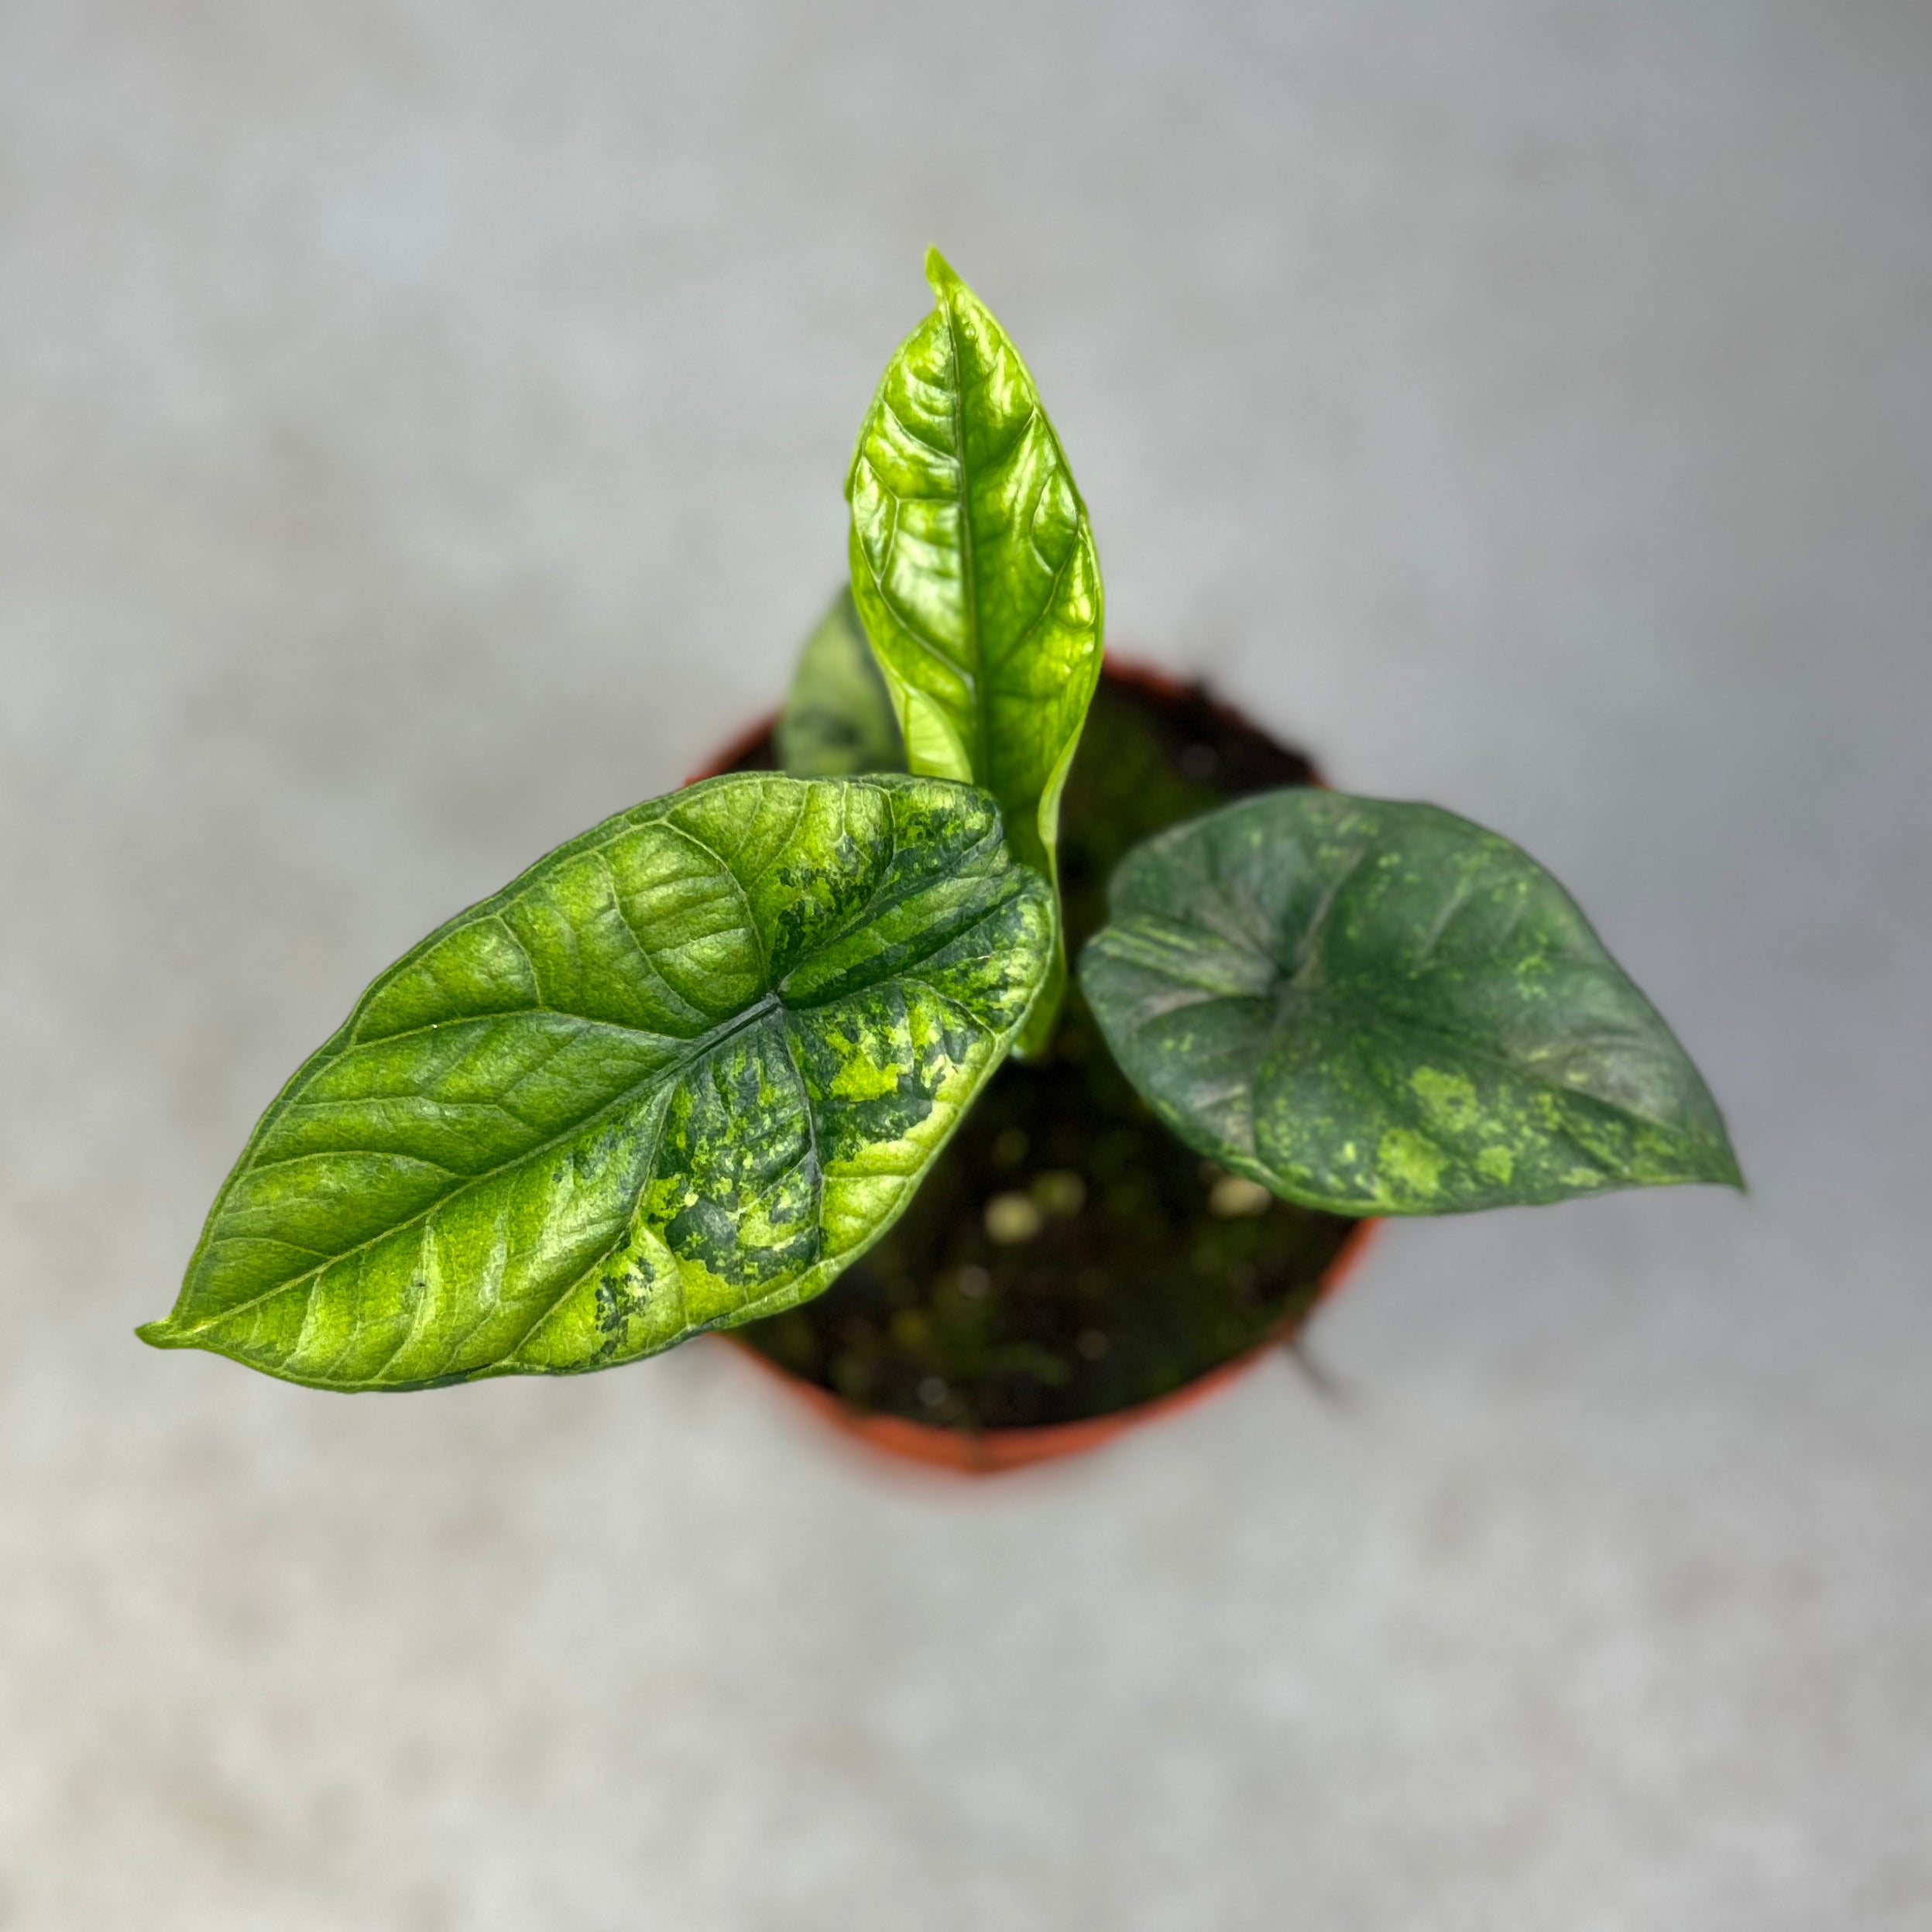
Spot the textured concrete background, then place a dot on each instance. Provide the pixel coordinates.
(421, 434)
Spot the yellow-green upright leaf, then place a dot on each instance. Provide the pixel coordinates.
(676, 1076)
(975, 573)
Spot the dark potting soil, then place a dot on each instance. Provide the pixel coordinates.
(1066, 1257)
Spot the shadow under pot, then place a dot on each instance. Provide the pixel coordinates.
(1068, 1269)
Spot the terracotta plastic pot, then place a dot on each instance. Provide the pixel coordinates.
(991, 1451)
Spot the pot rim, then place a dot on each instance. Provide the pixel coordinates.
(993, 1452)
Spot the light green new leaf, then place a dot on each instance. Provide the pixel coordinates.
(974, 569)
(1383, 1009)
(838, 720)
(676, 1077)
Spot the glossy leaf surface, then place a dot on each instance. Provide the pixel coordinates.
(676, 1076)
(1383, 1009)
(838, 720)
(973, 567)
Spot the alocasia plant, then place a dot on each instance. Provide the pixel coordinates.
(688, 1068)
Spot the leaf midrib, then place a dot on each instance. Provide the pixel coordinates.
(969, 575)
(1306, 985)
(668, 1069)
(1357, 1014)
(672, 1067)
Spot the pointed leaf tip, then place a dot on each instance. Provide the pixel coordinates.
(940, 274)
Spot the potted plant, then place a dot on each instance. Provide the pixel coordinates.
(752, 1039)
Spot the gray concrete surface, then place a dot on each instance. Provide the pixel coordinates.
(421, 434)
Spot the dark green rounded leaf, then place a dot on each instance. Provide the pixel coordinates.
(676, 1077)
(1383, 1009)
